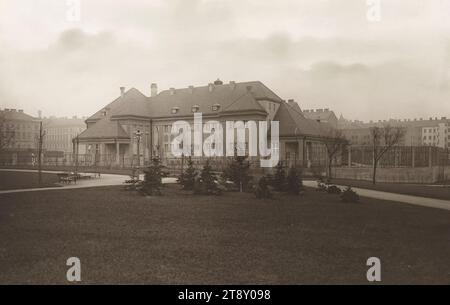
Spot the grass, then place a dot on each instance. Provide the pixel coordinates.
(179, 238)
(430, 191)
(10, 180)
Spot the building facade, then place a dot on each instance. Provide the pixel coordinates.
(19, 138)
(419, 132)
(60, 132)
(134, 128)
(322, 115)
(24, 127)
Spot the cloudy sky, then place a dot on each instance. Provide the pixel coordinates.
(322, 53)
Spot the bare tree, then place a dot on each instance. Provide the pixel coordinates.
(40, 144)
(383, 138)
(333, 144)
(7, 133)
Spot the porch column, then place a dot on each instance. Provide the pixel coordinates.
(117, 153)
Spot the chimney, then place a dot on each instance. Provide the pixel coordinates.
(21, 110)
(249, 88)
(172, 91)
(210, 87)
(154, 89)
(122, 91)
(191, 89)
(39, 114)
(232, 85)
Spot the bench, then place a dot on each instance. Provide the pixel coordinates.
(66, 177)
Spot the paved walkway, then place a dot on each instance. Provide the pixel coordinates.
(114, 179)
(104, 180)
(415, 200)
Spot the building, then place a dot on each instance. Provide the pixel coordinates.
(24, 127)
(419, 132)
(60, 132)
(19, 136)
(322, 116)
(137, 127)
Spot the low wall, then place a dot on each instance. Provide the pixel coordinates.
(395, 175)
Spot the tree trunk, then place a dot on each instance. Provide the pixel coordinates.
(374, 177)
(329, 168)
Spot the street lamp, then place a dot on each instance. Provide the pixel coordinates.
(138, 136)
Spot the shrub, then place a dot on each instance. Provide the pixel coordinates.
(293, 181)
(153, 178)
(238, 172)
(206, 183)
(262, 189)
(349, 195)
(279, 178)
(187, 178)
(333, 189)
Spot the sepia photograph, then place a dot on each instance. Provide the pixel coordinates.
(224, 148)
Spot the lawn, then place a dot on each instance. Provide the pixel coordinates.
(422, 190)
(18, 180)
(179, 238)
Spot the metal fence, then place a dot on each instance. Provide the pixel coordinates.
(397, 156)
(350, 156)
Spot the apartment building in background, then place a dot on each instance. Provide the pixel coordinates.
(419, 132)
(23, 127)
(322, 116)
(60, 131)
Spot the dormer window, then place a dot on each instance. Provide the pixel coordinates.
(215, 107)
(175, 110)
(195, 108)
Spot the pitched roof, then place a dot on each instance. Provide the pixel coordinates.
(12, 114)
(132, 98)
(294, 123)
(230, 97)
(318, 115)
(105, 128)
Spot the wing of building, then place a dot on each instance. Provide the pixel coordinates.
(135, 122)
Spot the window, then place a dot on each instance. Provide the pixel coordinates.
(215, 107)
